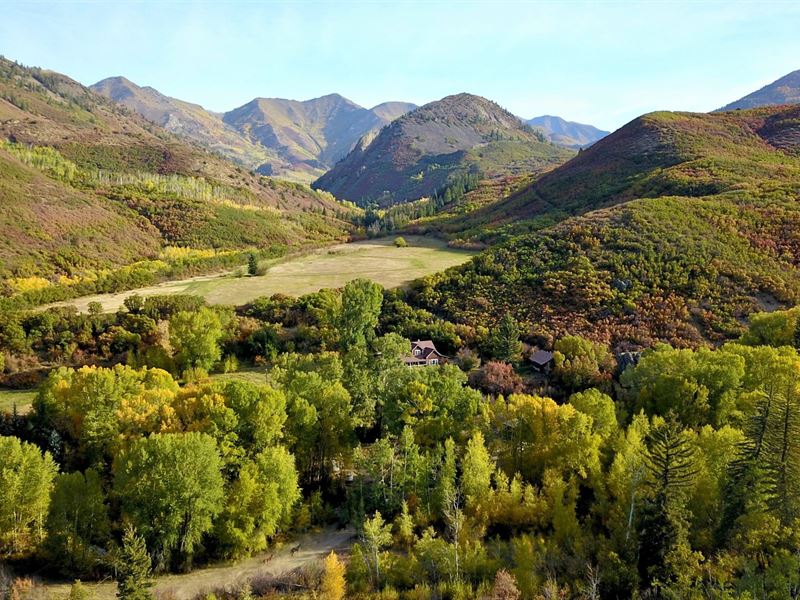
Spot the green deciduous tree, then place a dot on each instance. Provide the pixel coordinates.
(195, 338)
(170, 486)
(260, 502)
(360, 309)
(477, 469)
(376, 535)
(581, 363)
(78, 523)
(26, 480)
(600, 407)
(544, 435)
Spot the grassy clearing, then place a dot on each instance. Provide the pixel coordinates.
(22, 398)
(255, 375)
(329, 267)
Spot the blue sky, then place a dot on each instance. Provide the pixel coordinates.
(601, 62)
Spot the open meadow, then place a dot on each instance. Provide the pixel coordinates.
(330, 267)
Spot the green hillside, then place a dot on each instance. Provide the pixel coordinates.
(683, 224)
(419, 153)
(88, 186)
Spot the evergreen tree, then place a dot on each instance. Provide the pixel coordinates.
(252, 264)
(505, 340)
(132, 567)
(665, 556)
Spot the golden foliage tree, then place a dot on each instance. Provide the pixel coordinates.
(333, 583)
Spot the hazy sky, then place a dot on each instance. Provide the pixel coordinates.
(600, 63)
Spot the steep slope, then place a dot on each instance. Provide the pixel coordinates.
(418, 153)
(686, 223)
(312, 135)
(286, 138)
(659, 154)
(87, 185)
(185, 119)
(785, 90)
(567, 133)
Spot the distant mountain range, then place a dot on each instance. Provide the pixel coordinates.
(418, 153)
(785, 90)
(311, 135)
(567, 133)
(295, 140)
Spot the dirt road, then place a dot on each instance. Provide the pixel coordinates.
(313, 547)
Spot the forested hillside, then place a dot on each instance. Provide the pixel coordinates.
(421, 152)
(88, 187)
(684, 224)
(673, 473)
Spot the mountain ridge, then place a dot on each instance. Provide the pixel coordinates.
(785, 90)
(416, 154)
(296, 139)
(89, 185)
(570, 134)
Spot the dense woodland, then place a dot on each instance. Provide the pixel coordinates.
(678, 476)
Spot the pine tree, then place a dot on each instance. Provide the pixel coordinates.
(252, 265)
(132, 567)
(505, 340)
(664, 554)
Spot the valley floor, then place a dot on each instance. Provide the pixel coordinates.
(330, 267)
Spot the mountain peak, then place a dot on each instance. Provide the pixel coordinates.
(567, 133)
(785, 90)
(420, 152)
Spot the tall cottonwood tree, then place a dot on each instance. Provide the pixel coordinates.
(171, 487)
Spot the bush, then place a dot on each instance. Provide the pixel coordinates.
(400, 242)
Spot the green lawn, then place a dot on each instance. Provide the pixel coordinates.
(22, 398)
(330, 267)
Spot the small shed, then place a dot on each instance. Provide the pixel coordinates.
(542, 361)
